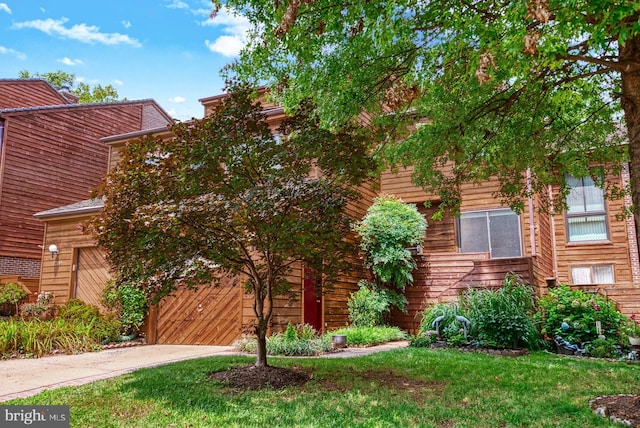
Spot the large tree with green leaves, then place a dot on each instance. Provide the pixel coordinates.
(86, 94)
(225, 196)
(527, 91)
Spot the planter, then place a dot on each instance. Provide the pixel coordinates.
(339, 341)
(634, 341)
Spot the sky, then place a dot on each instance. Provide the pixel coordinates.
(167, 50)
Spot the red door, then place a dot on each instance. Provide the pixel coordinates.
(312, 297)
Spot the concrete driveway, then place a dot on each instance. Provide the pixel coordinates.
(29, 376)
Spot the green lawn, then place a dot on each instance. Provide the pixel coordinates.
(402, 388)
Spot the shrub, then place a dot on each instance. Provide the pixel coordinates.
(129, 304)
(42, 308)
(388, 228)
(604, 348)
(424, 340)
(502, 317)
(367, 306)
(296, 340)
(11, 295)
(572, 314)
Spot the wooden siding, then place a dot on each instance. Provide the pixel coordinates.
(53, 158)
(57, 273)
(442, 277)
(19, 93)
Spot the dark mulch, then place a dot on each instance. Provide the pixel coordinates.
(623, 408)
(255, 378)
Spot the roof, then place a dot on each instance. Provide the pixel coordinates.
(79, 106)
(88, 206)
(135, 134)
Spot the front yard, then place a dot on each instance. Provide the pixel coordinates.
(402, 388)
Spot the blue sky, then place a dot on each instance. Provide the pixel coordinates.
(168, 50)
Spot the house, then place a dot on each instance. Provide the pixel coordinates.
(587, 247)
(51, 155)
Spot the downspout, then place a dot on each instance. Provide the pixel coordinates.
(532, 226)
(2, 155)
(553, 235)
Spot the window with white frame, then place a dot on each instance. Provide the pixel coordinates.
(592, 274)
(586, 213)
(495, 231)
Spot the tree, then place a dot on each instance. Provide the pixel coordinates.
(526, 91)
(85, 93)
(226, 197)
(387, 231)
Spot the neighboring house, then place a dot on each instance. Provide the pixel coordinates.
(587, 247)
(51, 155)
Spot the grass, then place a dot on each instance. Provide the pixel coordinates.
(401, 388)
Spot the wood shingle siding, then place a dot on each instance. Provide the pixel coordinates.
(53, 156)
(17, 93)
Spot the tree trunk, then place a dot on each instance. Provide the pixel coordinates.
(630, 53)
(261, 334)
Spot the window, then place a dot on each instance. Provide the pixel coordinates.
(586, 213)
(496, 232)
(592, 274)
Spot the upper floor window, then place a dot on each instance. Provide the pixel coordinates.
(586, 214)
(496, 232)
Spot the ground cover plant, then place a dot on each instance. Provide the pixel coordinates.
(302, 339)
(401, 388)
(77, 328)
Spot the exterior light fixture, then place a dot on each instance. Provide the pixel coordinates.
(53, 249)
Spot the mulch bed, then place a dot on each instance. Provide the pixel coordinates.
(254, 378)
(623, 408)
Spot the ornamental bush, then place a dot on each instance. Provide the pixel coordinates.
(388, 229)
(572, 314)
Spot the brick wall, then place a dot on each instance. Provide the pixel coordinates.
(634, 254)
(19, 266)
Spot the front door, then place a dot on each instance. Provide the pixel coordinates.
(312, 297)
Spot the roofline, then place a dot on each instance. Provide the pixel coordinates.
(73, 212)
(113, 139)
(226, 94)
(83, 106)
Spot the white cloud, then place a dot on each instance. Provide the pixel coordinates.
(4, 7)
(118, 82)
(177, 4)
(126, 24)
(228, 46)
(178, 99)
(81, 32)
(235, 25)
(9, 51)
(71, 62)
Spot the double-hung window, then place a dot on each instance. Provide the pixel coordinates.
(496, 232)
(586, 214)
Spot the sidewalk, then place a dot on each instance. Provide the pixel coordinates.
(29, 376)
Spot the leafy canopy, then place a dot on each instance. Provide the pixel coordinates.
(501, 87)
